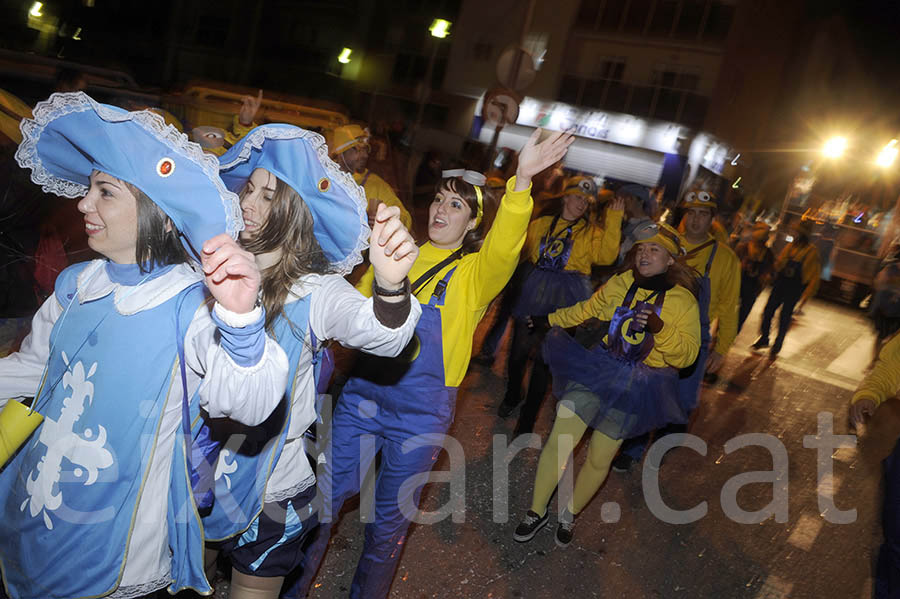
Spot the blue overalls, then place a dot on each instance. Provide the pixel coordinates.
(690, 378)
(786, 292)
(404, 415)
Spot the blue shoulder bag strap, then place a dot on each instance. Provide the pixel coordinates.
(204, 450)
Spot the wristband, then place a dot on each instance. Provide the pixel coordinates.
(391, 293)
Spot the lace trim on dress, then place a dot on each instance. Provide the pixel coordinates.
(139, 590)
(291, 491)
(61, 104)
(255, 140)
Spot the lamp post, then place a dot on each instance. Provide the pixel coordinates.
(439, 30)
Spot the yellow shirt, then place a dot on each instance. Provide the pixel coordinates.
(378, 190)
(810, 267)
(725, 289)
(591, 243)
(676, 344)
(884, 380)
(478, 278)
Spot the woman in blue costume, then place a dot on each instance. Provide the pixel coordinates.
(98, 501)
(406, 405)
(305, 223)
(562, 249)
(626, 384)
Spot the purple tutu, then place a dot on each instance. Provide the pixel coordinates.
(619, 398)
(545, 291)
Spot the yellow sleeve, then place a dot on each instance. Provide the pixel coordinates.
(379, 190)
(884, 380)
(364, 285)
(601, 305)
(606, 240)
(237, 131)
(678, 341)
(498, 257)
(812, 272)
(725, 308)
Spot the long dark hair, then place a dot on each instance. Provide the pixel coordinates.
(157, 237)
(473, 239)
(289, 227)
(678, 273)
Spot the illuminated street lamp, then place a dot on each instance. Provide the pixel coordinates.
(834, 147)
(36, 9)
(440, 28)
(888, 154)
(344, 57)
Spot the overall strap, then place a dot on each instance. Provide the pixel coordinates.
(701, 247)
(437, 296)
(549, 235)
(712, 255)
(429, 274)
(365, 178)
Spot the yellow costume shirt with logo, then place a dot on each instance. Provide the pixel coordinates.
(725, 289)
(378, 190)
(676, 344)
(478, 278)
(591, 243)
(884, 380)
(811, 269)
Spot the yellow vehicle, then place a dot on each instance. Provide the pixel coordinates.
(216, 104)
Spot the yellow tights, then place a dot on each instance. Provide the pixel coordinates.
(567, 431)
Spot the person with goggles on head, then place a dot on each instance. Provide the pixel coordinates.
(720, 283)
(349, 148)
(757, 266)
(626, 384)
(561, 248)
(405, 406)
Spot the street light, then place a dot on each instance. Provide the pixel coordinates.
(888, 154)
(344, 57)
(440, 28)
(36, 9)
(834, 147)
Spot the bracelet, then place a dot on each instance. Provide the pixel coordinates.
(391, 293)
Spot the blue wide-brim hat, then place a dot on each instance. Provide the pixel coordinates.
(300, 159)
(72, 135)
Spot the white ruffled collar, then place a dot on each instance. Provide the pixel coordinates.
(94, 283)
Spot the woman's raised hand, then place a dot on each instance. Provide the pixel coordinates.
(230, 273)
(535, 157)
(392, 250)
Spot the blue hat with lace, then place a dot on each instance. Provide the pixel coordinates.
(300, 159)
(72, 135)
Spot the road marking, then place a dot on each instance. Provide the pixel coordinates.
(836, 380)
(805, 532)
(774, 588)
(854, 360)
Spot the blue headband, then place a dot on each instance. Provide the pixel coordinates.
(300, 159)
(72, 135)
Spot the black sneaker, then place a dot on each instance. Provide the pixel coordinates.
(623, 463)
(760, 342)
(529, 526)
(565, 531)
(773, 353)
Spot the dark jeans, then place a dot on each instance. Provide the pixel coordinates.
(887, 572)
(526, 345)
(750, 289)
(785, 293)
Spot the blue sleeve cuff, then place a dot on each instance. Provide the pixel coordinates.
(245, 345)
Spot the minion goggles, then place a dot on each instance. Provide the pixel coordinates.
(476, 180)
(659, 234)
(699, 199)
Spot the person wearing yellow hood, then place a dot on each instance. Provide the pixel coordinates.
(349, 147)
(757, 266)
(882, 383)
(625, 385)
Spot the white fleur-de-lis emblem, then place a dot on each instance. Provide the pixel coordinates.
(225, 466)
(87, 452)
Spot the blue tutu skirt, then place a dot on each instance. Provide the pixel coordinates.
(545, 291)
(621, 399)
